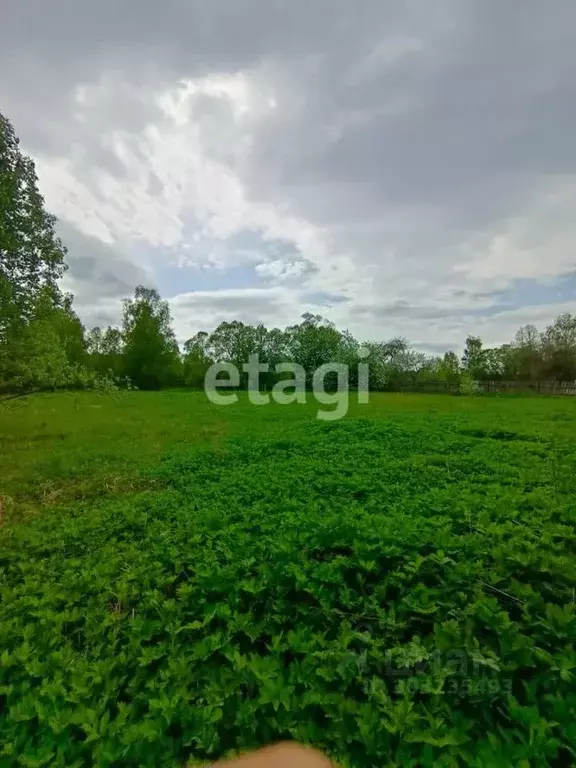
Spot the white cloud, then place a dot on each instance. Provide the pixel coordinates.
(171, 191)
(281, 270)
(497, 329)
(204, 310)
(536, 244)
(411, 161)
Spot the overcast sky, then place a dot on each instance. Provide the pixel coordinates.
(403, 168)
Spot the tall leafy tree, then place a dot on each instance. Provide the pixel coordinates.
(105, 351)
(559, 348)
(449, 369)
(31, 255)
(71, 332)
(527, 354)
(151, 354)
(495, 363)
(48, 350)
(196, 359)
(314, 342)
(196, 348)
(41, 339)
(473, 359)
(33, 355)
(235, 341)
(386, 358)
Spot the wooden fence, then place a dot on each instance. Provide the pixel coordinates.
(493, 387)
(535, 387)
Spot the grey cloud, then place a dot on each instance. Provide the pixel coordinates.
(218, 34)
(403, 309)
(484, 93)
(246, 302)
(489, 104)
(71, 41)
(44, 119)
(275, 307)
(432, 349)
(325, 299)
(99, 315)
(205, 310)
(215, 119)
(402, 128)
(99, 275)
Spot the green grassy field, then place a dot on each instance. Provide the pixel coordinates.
(181, 581)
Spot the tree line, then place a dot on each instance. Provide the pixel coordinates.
(44, 345)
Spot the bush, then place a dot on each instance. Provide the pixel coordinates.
(467, 385)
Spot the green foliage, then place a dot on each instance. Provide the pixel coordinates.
(473, 359)
(70, 331)
(151, 357)
(106, 351)
(41, 339)
(558, 345)
(396, 588)
(31, 256)
(467, 384)
(47, 351)
(34, 358)
(315, 342)
(196, 360)
(449, 369)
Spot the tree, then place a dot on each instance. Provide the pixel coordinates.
(151, 354)
(276, 346)
(449, 369)
(41, 338)
(71, 332)
(473, 359)
(105, 351)
(196, 348)
(37, 358)
(94, 341)
(383, 358)
(34, 352)
(31, 255)
(559, 348)
(315, 342)
(526, 352)
(405, 367)
(234, 342)
(196, 359)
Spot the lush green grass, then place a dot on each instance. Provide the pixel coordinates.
(181, 580)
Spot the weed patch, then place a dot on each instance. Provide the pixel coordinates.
(383, 587)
